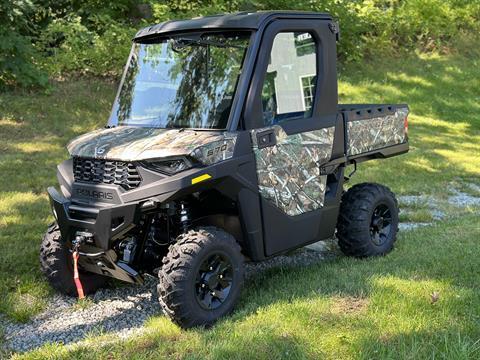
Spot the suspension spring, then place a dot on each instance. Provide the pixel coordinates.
(184, 217)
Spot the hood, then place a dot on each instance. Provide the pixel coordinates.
(133, 143)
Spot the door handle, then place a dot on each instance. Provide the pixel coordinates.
(266, 138)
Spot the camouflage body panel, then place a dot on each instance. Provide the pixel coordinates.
(289, 172)
(215, 151)
(376, 133)
(133, 143)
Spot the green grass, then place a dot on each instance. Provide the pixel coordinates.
(343, 308)
(34, 130)
(444, 125)
(418, 216)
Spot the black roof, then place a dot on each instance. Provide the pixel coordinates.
(235, 21)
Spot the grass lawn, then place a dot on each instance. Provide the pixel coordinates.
(342, 308)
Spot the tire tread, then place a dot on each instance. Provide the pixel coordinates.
(355, 216)
(54, 267)
(176, 265)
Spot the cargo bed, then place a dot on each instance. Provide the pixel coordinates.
(374, 130)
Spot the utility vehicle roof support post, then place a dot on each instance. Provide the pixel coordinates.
(110, 122)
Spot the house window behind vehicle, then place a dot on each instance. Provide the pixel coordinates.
(304, 44)
(289, 88)
(308, 87)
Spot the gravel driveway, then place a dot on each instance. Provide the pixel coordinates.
(122, 310)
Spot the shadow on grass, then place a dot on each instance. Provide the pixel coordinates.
(441, 87)
(443, 90)
(368, 307)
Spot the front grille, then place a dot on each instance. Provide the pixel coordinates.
(100, 171)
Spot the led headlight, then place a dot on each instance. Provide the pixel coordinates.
(169, 166)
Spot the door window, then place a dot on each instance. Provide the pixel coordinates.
(290, 83)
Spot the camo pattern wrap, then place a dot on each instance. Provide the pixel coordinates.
(133, 143)
(289, 172)
(376, 133)
(216, 151)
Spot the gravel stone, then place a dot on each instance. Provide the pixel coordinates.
(122, 311)
(406, 226)
(462, 199)
(410, 200)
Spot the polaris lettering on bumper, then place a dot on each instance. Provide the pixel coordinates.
(95, 193)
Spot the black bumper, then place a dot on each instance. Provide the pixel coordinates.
(106, 223)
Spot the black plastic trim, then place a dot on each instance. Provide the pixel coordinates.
(100, 224)
(236, 21)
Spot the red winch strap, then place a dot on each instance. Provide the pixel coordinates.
(76, 278)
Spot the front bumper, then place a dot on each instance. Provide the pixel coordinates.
(106, 224)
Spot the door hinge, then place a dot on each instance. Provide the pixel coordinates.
(335, 29)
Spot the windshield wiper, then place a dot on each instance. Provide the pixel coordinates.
(175, 126)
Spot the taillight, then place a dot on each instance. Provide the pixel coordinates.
(405, 124)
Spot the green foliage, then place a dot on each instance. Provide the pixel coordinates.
(18, 57)
(57, 38)
(79, 49)
(92, 37)
(368, 27)
(65, 37)
(427, 25)
(17, 61)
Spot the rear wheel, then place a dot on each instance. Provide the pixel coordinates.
(368, 220)
(56, 263)
(201, 277)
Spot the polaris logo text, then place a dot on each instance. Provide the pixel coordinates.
(100, 150)
(95, 194)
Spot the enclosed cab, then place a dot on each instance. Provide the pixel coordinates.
(225, 144)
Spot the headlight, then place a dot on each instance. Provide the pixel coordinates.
(169, 166)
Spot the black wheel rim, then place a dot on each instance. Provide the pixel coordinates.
(381, 224)
(214, 281)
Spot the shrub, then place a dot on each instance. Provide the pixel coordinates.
(64, 37)
(18, 56)
(73, 48)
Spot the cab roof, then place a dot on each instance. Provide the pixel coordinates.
(235, 21)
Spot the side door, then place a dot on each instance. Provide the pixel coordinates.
(292, 121)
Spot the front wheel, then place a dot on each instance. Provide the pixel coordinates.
(368, 221)
(201, 277)
(56, 264)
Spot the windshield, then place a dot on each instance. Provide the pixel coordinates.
(182, 82)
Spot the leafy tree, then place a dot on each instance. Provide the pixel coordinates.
(58, 38)
(18, 56)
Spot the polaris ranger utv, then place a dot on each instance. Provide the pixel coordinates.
(225, 144)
